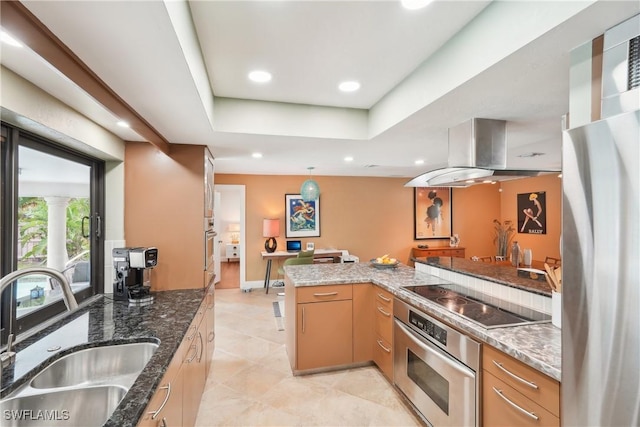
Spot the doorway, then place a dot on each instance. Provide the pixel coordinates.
(229, 219)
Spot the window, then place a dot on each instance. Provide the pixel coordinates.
(52, 202)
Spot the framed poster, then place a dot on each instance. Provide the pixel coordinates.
(432, 213)
(532, 213)
(302, 218)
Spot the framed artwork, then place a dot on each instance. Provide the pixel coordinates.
(302, 218)
(432, 213)
(532, 213)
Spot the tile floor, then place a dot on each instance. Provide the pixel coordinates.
(250, 382)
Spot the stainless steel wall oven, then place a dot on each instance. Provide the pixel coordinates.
(436, 368)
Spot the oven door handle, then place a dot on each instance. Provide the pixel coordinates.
(437, 352)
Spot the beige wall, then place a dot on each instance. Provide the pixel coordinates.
(373, 216)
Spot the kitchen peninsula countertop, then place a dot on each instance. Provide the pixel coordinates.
(536, 345)
(502, 274)
(106, 322)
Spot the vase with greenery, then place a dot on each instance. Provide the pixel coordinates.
(503, 233)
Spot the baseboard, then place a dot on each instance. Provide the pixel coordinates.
(254, 284)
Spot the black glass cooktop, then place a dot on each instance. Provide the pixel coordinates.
(489, 312)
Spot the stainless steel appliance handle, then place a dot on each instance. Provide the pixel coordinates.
(388, 350)
(384, 312)
(515, 406)
(382, 297)
(325, 294)
(435, 351)
(514, 376)
(155, 413)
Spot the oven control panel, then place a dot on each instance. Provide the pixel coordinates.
(428, 327)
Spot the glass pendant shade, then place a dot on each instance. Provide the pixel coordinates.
(309, 190)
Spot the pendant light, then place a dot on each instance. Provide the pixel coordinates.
(309, 190)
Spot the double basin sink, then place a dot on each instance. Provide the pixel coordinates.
(82, 388)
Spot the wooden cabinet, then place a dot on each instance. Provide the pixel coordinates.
(165, 406)
(515, 394)
(383, 331)
(441, 251)
(363, 318)
(209, 322)
(324, 335)
(177, 398)
(193, 369)
(232, 251)
(165, 205)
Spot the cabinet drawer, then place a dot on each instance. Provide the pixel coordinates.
(383, 322)
(383, 357)
(383, 297)
(531, 383)
(504, 406)
(324, 293)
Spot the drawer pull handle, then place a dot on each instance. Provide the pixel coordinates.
(155, 413)
(506, 399)
(325, 294)
(384, 312)
(383, 298)
(388, 350)
(514, 376)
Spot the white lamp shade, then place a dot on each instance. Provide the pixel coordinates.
(270, 228)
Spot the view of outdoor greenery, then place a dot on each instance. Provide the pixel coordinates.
(32, 229)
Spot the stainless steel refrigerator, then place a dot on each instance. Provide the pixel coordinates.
(601, 270)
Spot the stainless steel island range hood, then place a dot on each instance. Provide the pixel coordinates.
(477, 153)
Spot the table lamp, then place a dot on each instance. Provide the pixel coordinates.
(234, 228)
(270, 229)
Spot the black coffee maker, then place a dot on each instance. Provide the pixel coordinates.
(132, 280)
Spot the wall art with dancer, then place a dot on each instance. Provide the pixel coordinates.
(432, 213)
(302, 218)
(532, 213)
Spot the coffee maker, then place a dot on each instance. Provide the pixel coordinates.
(133, 274)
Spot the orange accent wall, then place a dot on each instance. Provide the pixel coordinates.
(164, 207)
(374, 216)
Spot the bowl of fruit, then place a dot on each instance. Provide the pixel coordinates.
(384, 262)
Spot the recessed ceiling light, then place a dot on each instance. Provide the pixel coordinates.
(123, 124)
(256, 155)
(348, 159)
(415, 4)
(419, 162)
(6, 38)
(259, 76)
(350, 86)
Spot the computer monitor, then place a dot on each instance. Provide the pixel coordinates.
(294, 245)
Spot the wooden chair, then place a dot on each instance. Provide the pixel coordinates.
(552, 261)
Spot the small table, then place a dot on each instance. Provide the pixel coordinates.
(318, 253)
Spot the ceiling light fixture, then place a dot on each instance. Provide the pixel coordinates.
(348, 159)
(415, 4)
(349, 86)
(6, 38)
(259, 76)
(309, 190)
(123, 124)
(419, 162)
(256, 155)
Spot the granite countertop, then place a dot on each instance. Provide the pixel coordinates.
(536, 345)
(502, 274)
(106, 322)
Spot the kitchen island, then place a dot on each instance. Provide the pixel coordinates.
(501, 273)
(536, 345)
(104, 321)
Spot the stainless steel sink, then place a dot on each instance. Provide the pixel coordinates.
(87, 406)
(82, 388)
(113, 364)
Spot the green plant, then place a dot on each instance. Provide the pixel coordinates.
(503, 233)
